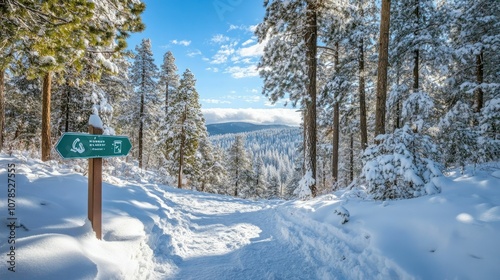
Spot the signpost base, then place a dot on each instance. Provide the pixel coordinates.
(95, 190)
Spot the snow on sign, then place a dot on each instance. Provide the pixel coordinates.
(82, 145)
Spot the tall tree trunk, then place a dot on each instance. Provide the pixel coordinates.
(397, 115)
(46, 92)
(2, 107)
(479, 79)
(416, 51)
(362, 89)
(336, 124)
(311, 44)
(68, 96)
(383, 61)
(181, 151)
(362, 97)
(336, 138)
(351, 158)
(141, 128)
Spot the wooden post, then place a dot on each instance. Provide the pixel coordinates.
(95, 190)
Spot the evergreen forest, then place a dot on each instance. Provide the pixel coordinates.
(392, 93)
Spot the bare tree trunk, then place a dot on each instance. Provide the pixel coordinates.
(46, 92)
(383, 61)
(361, 90)
(2, 107)
(351, 158)
(362, 97)
(68, 96)
(336, 138)
(336, 124)
(397, 115)
(479, 79)
(416, 52)
(311, 43)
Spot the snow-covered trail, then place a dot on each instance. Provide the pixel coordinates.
(203, 236)
(152, 231)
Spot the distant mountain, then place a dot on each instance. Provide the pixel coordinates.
(239, 127)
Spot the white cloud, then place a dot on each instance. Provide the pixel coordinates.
(181, 42)
(260, 116)
(215, 101)
(223, 53)
(219, 39)
(238, 72)
(193, 53)
(213, 69)
(248, 42)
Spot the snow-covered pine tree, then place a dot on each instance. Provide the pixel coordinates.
(238, 166)
(169, 78)
(260, 182)
(473, 32)
(143, 74)
(186, 130)
(168, 84)
(22, 113)
(401, 166)
(457, 136)
(210, 171)
(288, 65)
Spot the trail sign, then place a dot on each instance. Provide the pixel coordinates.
(83, 145)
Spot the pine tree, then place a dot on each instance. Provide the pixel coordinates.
(169, 79)
(238, 167)
(143, 77)
(168, 84)
(210, 171)
(69, 30)
(383, 61)
(401, 166)
(187, 129)
(260, 181)
(289, 64)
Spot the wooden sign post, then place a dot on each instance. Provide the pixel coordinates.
(95, 147)
(95, 189)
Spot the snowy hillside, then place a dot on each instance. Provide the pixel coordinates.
(157, 232)
(239, 127)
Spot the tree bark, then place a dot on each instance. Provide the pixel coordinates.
(336, 124)
(2, 108)
(68, 96)
(46, 93)
(336, 138)
(362, 97)
(383, 61)
(351, 158)
(362, 89)
(479, 79)
(416, 52)
(311, 43)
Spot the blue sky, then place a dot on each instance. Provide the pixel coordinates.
(215, 40)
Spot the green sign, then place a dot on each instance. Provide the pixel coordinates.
(83, 145)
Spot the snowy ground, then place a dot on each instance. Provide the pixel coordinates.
(156, 232)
